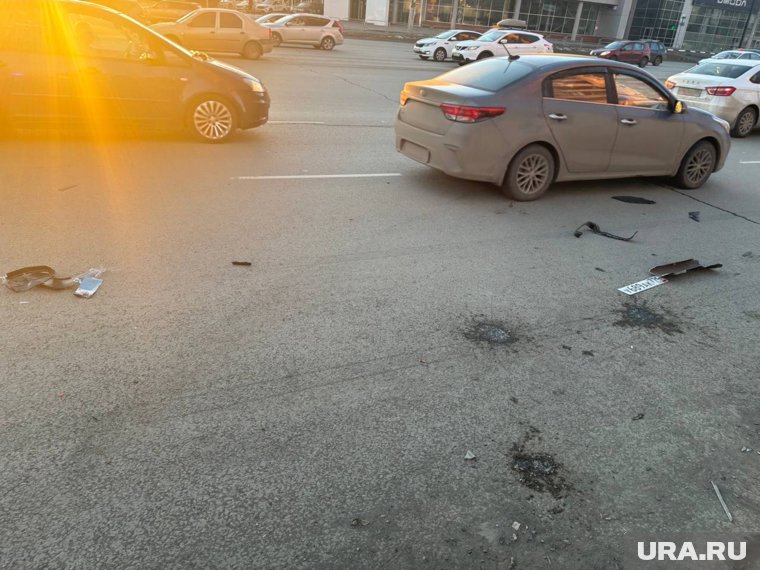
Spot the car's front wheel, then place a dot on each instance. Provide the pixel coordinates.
(485, 54)
(212, 119)
(276, 39)
(327, 43)
(530, 173)
(697, 166)
(440, 54)
(252, 50)
(745, 122)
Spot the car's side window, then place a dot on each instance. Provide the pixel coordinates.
(755, 78)
(585, 87)
(638, 47)
(227, 20)
(205, 20)
(528, 38)
(633, 92)
(319, 22)
(628, 47)
(100, 37)
(512, 39)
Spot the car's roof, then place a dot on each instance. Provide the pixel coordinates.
(745, 62)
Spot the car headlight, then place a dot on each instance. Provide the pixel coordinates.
(255, 85)
(605, 53)
(471, 47)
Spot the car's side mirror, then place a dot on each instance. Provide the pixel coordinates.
(677, 107)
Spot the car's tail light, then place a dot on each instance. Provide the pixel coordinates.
(462, 114)
(338, 25)
(670, 84)
(720, 91)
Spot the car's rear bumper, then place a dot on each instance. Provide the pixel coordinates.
(254, 109)
(727, 108)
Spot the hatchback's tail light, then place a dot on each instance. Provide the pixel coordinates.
(462, 114)
(670, 84)
(338, 25)
(720, 91)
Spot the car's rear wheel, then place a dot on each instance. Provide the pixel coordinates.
(745, 122)
(657, 61)
(213, 119)
(276, 39)
(252, 50)
(530, 173)
(440, 54)
(485, 54)
(327, 43)
(697, 165)
(643, 61)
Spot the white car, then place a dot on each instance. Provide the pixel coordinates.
(500, 43)
(735, 54)
(441, 46)
(728, 88)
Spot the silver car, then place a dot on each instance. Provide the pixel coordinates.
(525, 122)
(729, 88)
(318, 31)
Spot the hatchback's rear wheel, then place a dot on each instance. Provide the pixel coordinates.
(744, 123)
(644, 61)
(530, 173)
(440, 54)
(276, 39)
(327, 43)
(213, 119)
(657, 61)
(252, 50)
(697, 166)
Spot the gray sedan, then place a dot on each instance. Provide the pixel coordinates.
(525, 122)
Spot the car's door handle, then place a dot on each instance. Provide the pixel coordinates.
(628, 121)
(557, 117)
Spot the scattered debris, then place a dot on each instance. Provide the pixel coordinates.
(600, 269)
(566, 347)
(245, 263)
(597, 230)
(588, 353)
(637, 417)
(643, 285)
(357, 522)
(679, 267)
(516, 525)
(633, 200)
(694, 216)
(492, 333)
(641, 316)
(514, 537)
(27, 277)
(746, 449)
(722, 502)
(556, 510)
(513, 399)
(748, 254)
(469, 456)
(88, 287)
(539, 471)
(512, 564)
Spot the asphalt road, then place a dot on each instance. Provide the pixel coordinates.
(314, 410)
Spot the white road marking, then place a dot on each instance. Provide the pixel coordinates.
(301, 176)
(749, 162)
(295, 122)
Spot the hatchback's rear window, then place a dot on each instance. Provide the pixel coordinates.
(490, 74)
(719, 69)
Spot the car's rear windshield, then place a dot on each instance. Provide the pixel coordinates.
(490, 74)
(731, 70)
(727, 55)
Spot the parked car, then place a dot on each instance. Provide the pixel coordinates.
(131, 8)
(270, 18)
(270, 6)
(740, 54)
(636, 52)
(219, 30)
(169, 10)
(318, 31)
(500, 42)
(440, 47)
(134, 76)
(524, 123)
(729, 89)
(657, 51)
(309, 7)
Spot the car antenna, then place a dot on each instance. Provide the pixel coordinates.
(511, 57)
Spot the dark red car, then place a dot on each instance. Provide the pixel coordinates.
(635, 52)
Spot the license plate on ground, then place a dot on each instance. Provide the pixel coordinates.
(689, 92)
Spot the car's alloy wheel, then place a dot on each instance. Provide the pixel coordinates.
(276, 39)
(530, 173)
(744, 124)
(213, 120)
(328, 43)
(252, 50)
(697, 165)
(440, 54)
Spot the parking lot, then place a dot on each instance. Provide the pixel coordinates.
(315, 409)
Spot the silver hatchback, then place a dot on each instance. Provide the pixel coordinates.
(525, 122)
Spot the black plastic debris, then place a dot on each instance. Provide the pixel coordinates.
(597, 230)
(633, 200)
(244, 263)
(637, 417)
(694, 216)
(679, 267)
